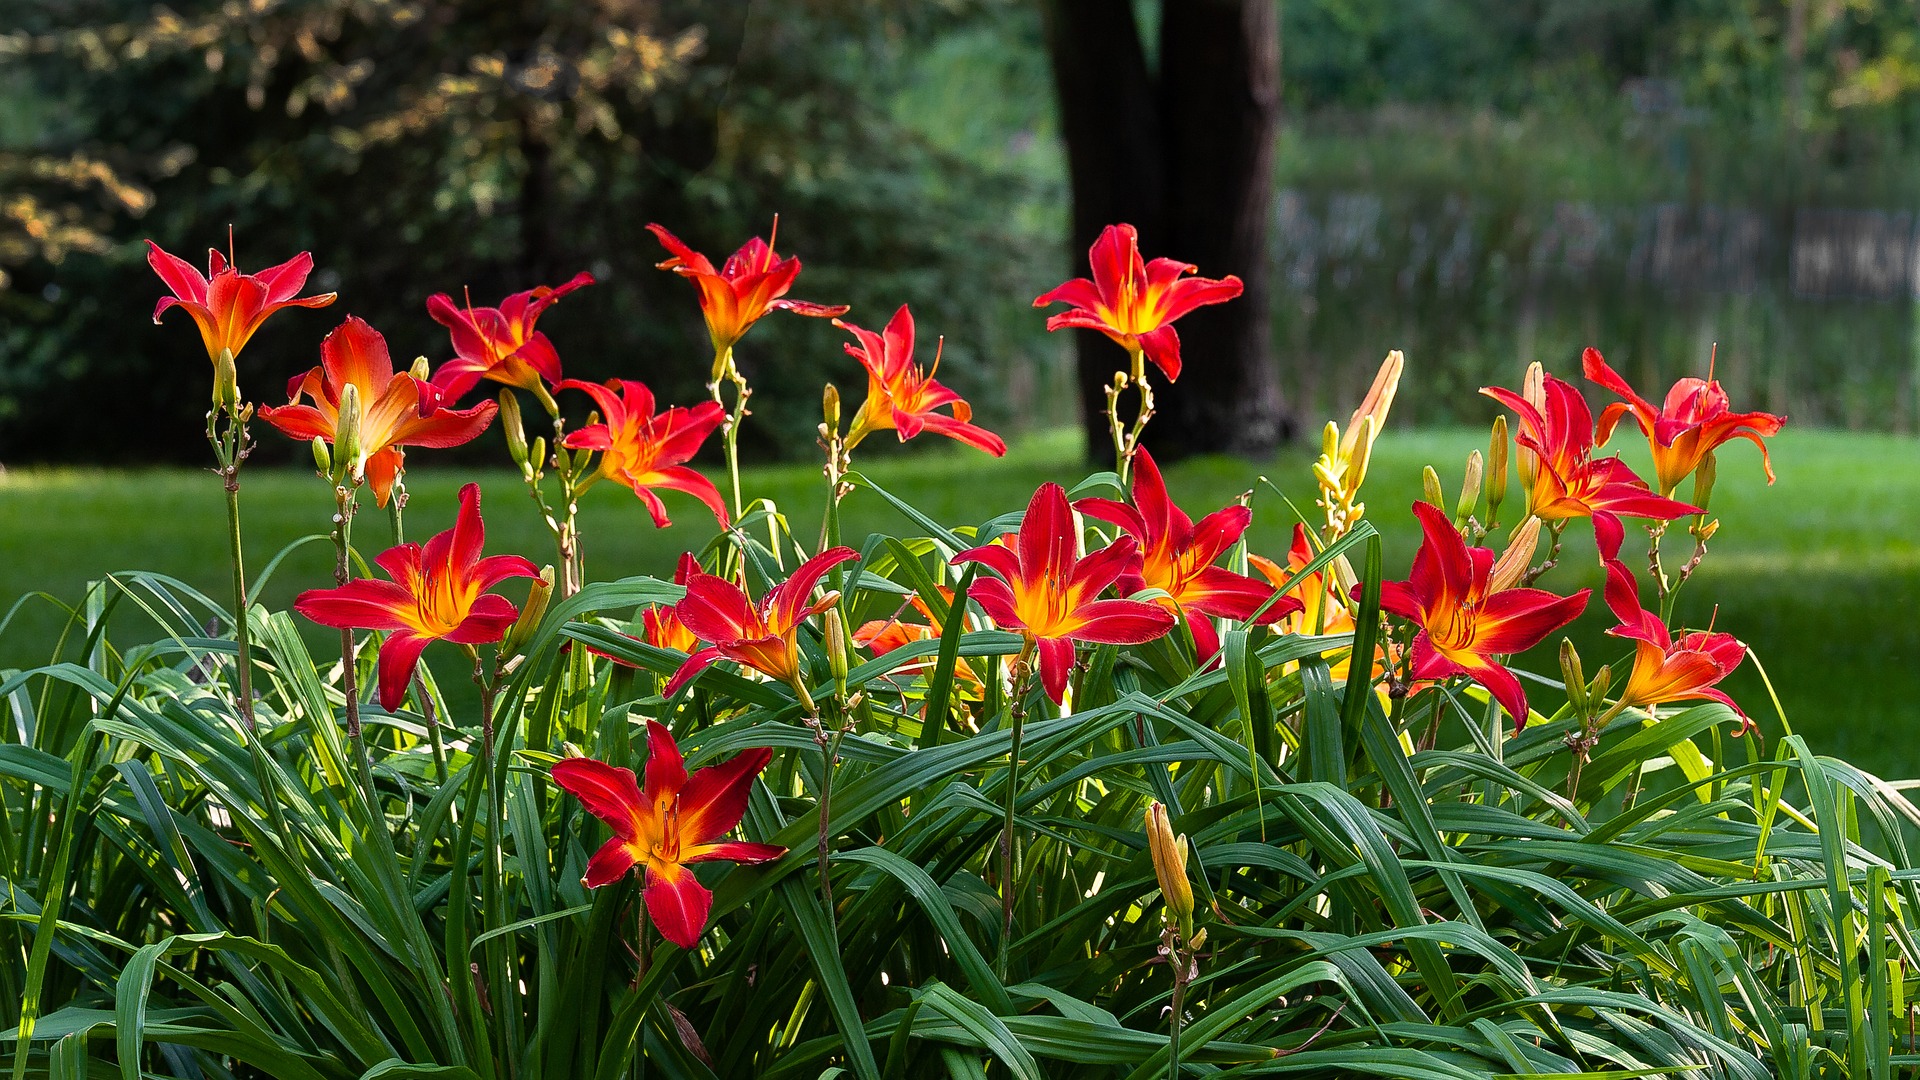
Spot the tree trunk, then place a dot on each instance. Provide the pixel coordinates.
(1186, 156)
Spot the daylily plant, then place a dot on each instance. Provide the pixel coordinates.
(438, 592)
(226, 304)
(903, 398)
(753, 281)
(1696, 418)
(1050, 593)
(1177, 557)
(1465, 626)
(1666, 668)
(642, 450)
(388, 410)
(1135, 302)
(501, 343)
(675, 822)
(1565, 482)
(762, 636)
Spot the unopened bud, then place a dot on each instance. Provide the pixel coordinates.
(1470, 487)
(511, 424)
(530, 615)
(1574, 678)
(1430, 487)
(1170, 867)
(1703, 478)
(1330, 441)
(1497, 469)
(1359, 457)
(1602, 682)
(1512, 564)
(836, 635)
(226, 381)
(346, 437)
(322, 457)
(420, 368)
(830, 408)
(536, 452)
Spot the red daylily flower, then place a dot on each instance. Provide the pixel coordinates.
(395, 410)
(500, 343)
(645, 451)
(1463, 625)
(761, 636)
(437, 592)
(678, 820)
(901, 397)
(753, 282)
(1176, 557)
(228, 305)
(1565, 481)
(1665, 668)
(1135, 302)
(1048, 591)
(1696, 418)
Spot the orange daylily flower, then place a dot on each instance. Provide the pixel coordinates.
(228, 305)
(762, 636)
(646, 451)
(1696, 417)
(1135, 302)
(901, 397)
(1666, 668)
(753, 281)
(883, 636)
(395, 410)
(1177, 557)
(1049, 592)
(1465, 625)
(500, 343)
(438, 592)
(1323, 608)
(1564, 481)
(677, 821)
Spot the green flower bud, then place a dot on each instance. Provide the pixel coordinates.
(322, 457)
(510, 422)
(1497, 450)
(1430, 487)
(226, 381)
(1470, 487)
(530, 615)
(1575, 679)
(346, 438)
(1703, 478)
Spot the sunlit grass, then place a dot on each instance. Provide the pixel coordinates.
(1820, 573)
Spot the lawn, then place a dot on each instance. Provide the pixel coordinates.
(1820, 574)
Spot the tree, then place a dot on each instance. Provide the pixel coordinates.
(1181, 145)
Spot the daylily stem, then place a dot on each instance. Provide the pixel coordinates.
(1178, 957)
(1127, 443)
(730, 431)
(1553, 554)
(346, 499)
(1022, 676)
(230, 449)
(829, 752)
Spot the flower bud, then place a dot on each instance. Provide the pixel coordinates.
(536, 453)
(830, 408)
(1430, 487)
(1170, 867)
(1703, 478)
(1470, 487)
(1512, 564)
(511, 424)
(420, 369)
(1497, 469)
(322, 457)
(1602, 682)
(346, 437)
(1705, 532)
(226, 381)
(835, 632)
(1330, 441)
(530, 615)
(1575, 679)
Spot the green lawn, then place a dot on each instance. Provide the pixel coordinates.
(1820, 574)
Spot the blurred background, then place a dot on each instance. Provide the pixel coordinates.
(1480, 183)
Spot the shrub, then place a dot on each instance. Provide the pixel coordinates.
(1026, 795)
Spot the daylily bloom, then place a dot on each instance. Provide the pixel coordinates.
(753, 282)
(1176, 557)
(1564, 481)
(227, 304)
(1696, 418)
(761, 636)
(1049, 592)
(1464, 625)
(437, 592)
(1135, 302)
(645, 451)
(500, 343)
(1665, 668)
(393, 410)
(1322, 605)
(901, 397)
(659, 626)
(883, 636)
(678, 820)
